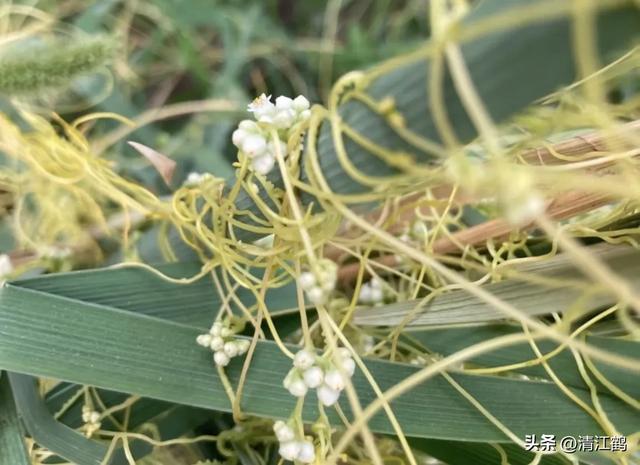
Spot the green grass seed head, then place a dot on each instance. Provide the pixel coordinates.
(54, 65)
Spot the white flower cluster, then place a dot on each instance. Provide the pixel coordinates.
(221, 339)
(311, 372)
(194, 179)
(371, 293)
(318, 290)
(5, 266)
(291, 446)
(91, 419)
(253, 139)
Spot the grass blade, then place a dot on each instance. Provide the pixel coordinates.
(535, 299)
(85, 343)
(12, 446)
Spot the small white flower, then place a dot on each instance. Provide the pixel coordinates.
(243, 345)
(195, 179)
(284, 432)
(334, 380)
(304, 359)
(520, 213)
(377, 295)
(249, 126)
(297, 388)
(307, 452)
(343, 352)
(327, 396)
(238, 136)
(307, 280)
(221, 359)
(226, 332)
(254, 145)
(263, 164)
(304, 115)
(300, 103)
(289, 450)
(204, 340)
(371, 292)
(263, 109)
(284, 103)
(349, 366)
(94, 417)
(284, 119)
(271, 146)
(364, 296)
(316, 295)
(217, 343)
(231, 349)
(216, 328)
(313, 377)
(5, 265)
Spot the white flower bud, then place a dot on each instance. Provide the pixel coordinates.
(216, 328)
(5, 265)
(271, 147)
(334, 380)
(304, 115)
(243, 345)
(343, 352)
(349, 366)
(221, 358)
(284, 432)
(377, 295)
(231, 349)
(316, 295)
(284, 118)
(300, 103)
(94, 417)
(327, 396)
(226, 332)
(284, 103)
(304, 359)
(263, 164)
(313, 377)
(289, 450)
(519, 213)
(307, 452)
(204, 340)
(249, 126)
(307, 280)
(365, 294)
(217, 343)
(254, 145)
(238, 136)
(297, 388)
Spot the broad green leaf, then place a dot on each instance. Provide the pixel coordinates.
(55, 336)
(13, 450)
(565, 284)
